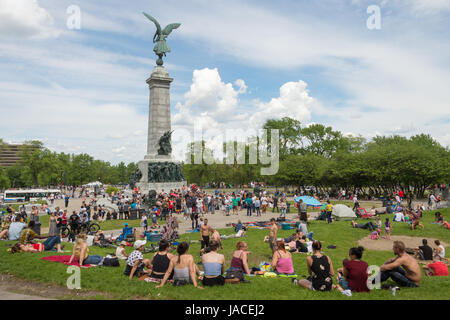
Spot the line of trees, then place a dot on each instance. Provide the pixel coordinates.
(41, 167)
(326, 159)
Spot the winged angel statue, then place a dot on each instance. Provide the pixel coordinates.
(161, 47)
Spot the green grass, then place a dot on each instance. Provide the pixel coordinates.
(30, 267)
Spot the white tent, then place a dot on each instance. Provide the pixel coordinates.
(342, 212)
(93, 184)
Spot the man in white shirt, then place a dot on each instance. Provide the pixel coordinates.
(399, 217)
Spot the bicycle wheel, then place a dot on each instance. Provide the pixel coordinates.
(94, 227)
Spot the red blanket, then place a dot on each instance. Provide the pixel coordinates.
(65, 260)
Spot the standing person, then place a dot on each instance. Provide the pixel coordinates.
(353, 276)
(329, 210)
(144, 223)
(302, 209)
(283, 208)
(126, 211)
(53, 229)
(205, 231)
(355, 203)
(66, 200)
(387, 229)
(249, 203)
(235, 204)
(275, 204)
(257, 205)
(273, 235)
(408, 276)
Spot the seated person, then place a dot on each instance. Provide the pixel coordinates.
(369, 225)
(15, 229)
(239, 261)
(81, 252)
(304, 230)
(424, 252)
(282, 260)
(353, 276)
(375, 235)
(184, 269)
(120, 251)
(445, 224)
(28, 235)
(408, 276)
(240, 229)
(136, 262)
(321, 272)
(439, 251)
(291, 238)
(439, 219)
(214, 266)
(161, 261)
(399, 217)
(5, 227)
(437, 268)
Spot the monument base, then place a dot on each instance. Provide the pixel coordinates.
(146, 185)
(160, 186)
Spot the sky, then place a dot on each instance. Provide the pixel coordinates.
(235, 65)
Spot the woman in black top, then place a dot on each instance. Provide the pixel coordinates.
(161, 260)
(321, 272)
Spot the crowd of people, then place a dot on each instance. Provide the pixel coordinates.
(192, 203)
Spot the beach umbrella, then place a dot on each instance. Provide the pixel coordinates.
(310, 201)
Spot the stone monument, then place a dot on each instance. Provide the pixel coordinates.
(158, 171)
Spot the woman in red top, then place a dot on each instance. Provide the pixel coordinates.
(354, 274)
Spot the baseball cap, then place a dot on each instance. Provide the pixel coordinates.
(123, 243)
(125, 224)
(139, 243)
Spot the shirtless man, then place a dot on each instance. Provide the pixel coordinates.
(273, 235)
(216, 237)
(205, 231)
(409, 276)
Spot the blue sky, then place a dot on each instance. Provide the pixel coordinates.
(235, 65)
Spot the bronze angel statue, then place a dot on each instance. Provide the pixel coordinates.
(161, 47)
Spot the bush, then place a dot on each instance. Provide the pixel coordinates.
(110, 190)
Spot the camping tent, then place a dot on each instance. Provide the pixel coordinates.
(310, 201)
(93, 184)
(342, 212)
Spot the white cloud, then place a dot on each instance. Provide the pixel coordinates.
(119, 150)
(294, 102)
(25, 18)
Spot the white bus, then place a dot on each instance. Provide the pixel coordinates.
(29, 195)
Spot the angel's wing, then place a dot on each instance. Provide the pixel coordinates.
(168, 29)
(149, 17)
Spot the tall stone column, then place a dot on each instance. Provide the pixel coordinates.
(164, 172)
(159, 112)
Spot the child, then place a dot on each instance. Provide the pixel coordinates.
(144, 223)
(387, 228)
(375, 235)
(378, 222)
(154, 216)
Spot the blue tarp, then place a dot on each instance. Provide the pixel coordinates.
(310, 201)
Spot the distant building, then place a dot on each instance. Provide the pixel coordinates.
(10, 154)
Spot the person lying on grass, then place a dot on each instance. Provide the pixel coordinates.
(437, 268)
(353, 276)
(369, 225)
(321, 272)
(403, 268)
(214, 266)
(81, 252)
(184, 268)
(136, 262)
(282, 260)
(161, 261)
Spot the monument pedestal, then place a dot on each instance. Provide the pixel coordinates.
(158, 171)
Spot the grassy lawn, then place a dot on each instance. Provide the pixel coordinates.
(30, 267)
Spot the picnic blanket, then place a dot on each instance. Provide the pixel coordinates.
(65, 260)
